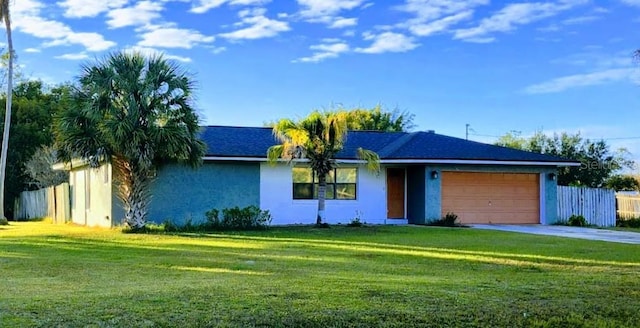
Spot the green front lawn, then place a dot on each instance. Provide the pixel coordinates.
(305, 277)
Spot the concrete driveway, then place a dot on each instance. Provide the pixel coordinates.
(564, 231)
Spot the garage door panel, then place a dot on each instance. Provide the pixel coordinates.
(491, 197)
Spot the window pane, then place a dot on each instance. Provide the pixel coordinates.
(330, 178)
(346, 191)
(329, 194)
(347, 175)
(302, 175)
(302, 191)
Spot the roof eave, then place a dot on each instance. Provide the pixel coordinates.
(410, 161)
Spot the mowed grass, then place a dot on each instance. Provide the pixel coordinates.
(304, 277)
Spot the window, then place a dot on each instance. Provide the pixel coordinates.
(341, 183)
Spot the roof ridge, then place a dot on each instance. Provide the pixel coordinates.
(396, 144)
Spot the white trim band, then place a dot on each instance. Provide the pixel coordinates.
(406, 161)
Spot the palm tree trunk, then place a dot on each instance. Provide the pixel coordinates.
(7, 115)
(322, 193)
(133, 183)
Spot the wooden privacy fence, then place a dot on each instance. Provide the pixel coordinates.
(598, 206)
(51, 202)
(628, 206)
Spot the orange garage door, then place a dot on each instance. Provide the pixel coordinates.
(512, 198)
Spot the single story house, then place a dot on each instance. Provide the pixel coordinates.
(423, 176)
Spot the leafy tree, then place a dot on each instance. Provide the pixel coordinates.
(6, 16)
(136, 113)
(620, 182)
(377, 119)
(33, 111)
(512, 139)
(40, 171)
(598, 162)
(317, 138)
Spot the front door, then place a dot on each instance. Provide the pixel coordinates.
(395, 193)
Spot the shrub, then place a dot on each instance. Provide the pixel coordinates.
(449, 220)
(4, 221)
(356, 222)
(236, 218)
(577, 221)
(628, 223)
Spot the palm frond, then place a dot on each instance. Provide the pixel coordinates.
(274, 153)
(371, 158)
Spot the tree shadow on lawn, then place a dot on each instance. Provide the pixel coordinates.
(364, 249)
(309, 250)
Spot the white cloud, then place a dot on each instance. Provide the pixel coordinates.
(341, 22)
(257, 26)
(149, 52)
(327, 11)
(89, 8)
(513, 15)
(60, 34)
(596, 59)
(140, 14)
(27, 19)
(25, 7)
(635, 3)
(580, 20)
(428, 10)
(388, 42)
(319, 8)
(583, 80)
(218, 50)
(439, 25)
(205, 5)
(171, 37)
(432, 17)
(331, 48)
(78, 56)
(32, 50)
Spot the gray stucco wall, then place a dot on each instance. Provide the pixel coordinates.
(416, 195)
(181, 193)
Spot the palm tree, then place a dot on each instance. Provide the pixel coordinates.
(316, 138)
(4, 15)
(135, 113)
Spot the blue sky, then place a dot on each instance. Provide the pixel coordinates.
(499, 66)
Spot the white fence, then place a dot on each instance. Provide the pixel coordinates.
(628, 206)
(51, 202)
(597, 206)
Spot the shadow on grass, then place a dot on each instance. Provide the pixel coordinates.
(302, 250)
(436, 252)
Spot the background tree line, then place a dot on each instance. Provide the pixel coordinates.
(34, 107)
(599, 165)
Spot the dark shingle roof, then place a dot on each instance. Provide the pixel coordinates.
(229, 141)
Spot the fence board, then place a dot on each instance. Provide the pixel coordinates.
(597, 206)
(628, 206)
(51, 202)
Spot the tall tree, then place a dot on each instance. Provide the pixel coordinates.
(5, 15)
(136, 113)
(317, 138)
(33, 108)
(379, 119)
(598, 162)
